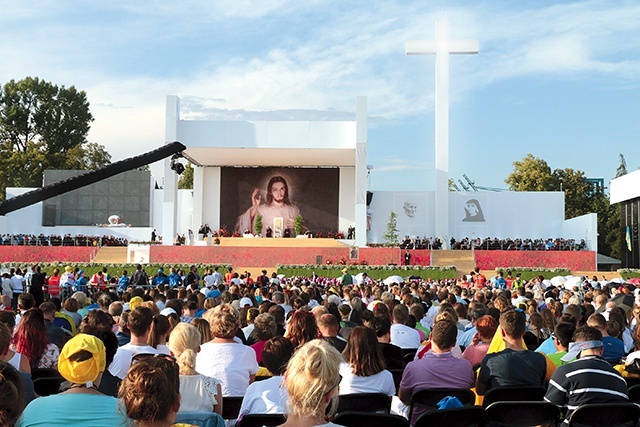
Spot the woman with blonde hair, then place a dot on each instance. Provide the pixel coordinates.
(199, 392)
(312, 379)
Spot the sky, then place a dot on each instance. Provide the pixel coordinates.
(557, 79)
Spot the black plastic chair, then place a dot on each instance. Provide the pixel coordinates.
(109, 384)
(408, 357)
(467, 416)
(605, 414)
(259, 420)
(634, 393)
(231, 407)
(532, 393)
(46, 386)
(366, 419)
(44, 373)
(364, 402)
(397, 376)
(522, 414)
(429, 398)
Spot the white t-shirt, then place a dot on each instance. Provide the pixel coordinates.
(198, 393)
(382, 382)
(404, 336)
(232, 364)
(247, 330)
(265, 397)
(122, 360)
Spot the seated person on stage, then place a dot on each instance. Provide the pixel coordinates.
(589, 379)
(613, 347)
(515, 365)
(438, 368)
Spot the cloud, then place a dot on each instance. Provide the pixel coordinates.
(394, 164)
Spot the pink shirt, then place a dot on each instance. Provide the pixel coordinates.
(475, 353)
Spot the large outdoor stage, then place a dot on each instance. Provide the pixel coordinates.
(267, 253)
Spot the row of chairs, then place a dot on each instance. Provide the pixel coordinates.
(502, 414)
(498, 414)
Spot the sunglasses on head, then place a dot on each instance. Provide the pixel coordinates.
(145, 356)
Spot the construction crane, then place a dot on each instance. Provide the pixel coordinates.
(471, 185)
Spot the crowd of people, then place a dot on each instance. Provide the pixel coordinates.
(489, 244)
(147, 354)
(57, 240)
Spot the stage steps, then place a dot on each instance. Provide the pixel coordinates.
(111, 255)
(462, 260)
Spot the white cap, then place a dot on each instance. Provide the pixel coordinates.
(167, 311)
(246, 301)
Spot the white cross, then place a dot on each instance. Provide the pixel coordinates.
(442, 47)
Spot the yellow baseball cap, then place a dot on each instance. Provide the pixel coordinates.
(135, 302)
(82, 370)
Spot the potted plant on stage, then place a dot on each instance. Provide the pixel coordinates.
(257, 227)
(297, 225)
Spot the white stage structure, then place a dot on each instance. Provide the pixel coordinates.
(213, 145)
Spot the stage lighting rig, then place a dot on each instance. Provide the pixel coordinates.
(175, 165)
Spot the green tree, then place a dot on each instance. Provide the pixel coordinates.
(391, 235)
(186, 179)
(531, 174)
(43, 126)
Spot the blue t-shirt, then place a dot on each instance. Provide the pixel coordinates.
(73, 409)
(613, 349)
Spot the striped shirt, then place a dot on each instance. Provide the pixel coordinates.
(587, 380)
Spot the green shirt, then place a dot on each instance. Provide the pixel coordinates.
(556, 358)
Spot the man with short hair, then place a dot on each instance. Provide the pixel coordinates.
(278, 298)
(17, 286)
(515, 365)
(589, 379)
(562, 336)
(328, 326)
(438, 368)
(613, 348)
(139, 325)
(55, 333)
(392, 354)
(402, 335)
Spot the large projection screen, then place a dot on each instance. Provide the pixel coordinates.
(314, 192)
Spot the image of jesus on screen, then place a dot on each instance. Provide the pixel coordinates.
(276, 205)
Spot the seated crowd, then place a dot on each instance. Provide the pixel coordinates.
(292, 346)
(56, 240)
(489, 244)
